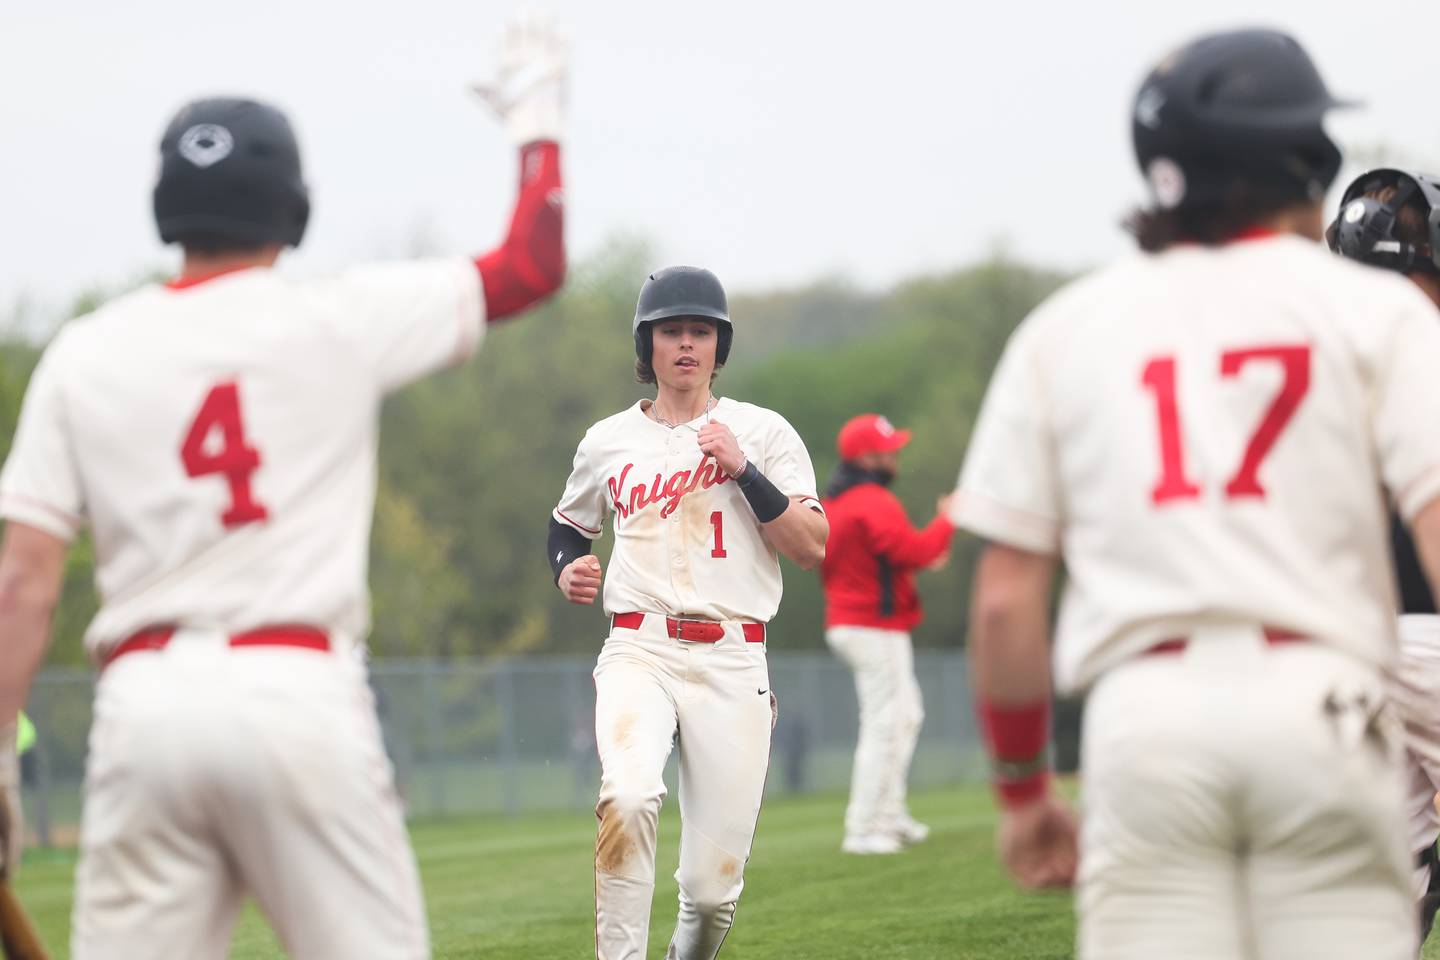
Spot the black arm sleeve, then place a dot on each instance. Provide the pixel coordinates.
(564, 544)
(763, 496)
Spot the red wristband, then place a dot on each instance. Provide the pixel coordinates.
(1018, 738)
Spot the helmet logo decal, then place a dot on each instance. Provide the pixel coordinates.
(884, 427)
(1148, 106)
(1167, 182)
(206, 144)
(1355, 212)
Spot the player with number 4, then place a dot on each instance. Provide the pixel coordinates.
(706, 494)
(217, 434)
(1202, 434)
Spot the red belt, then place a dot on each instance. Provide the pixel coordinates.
(1273, 636)
(158, 638)
(698, 631)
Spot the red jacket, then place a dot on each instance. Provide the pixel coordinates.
(871, 557)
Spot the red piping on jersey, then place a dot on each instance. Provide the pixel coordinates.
(530, 264)
(577, 526)
(194, 280)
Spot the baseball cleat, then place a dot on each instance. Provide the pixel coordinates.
(869, 843)
(911, 830)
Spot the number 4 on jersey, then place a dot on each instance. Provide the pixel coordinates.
(1159, 378)
(232, 457)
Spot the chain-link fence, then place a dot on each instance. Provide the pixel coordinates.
(517, 735)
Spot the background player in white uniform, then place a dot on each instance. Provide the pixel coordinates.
(705, 494)
(1201, 433)
(218, 436)
(1391, 219)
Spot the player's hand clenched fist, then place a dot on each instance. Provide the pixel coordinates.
(717, 441)
(1039, 843)
(580, 580)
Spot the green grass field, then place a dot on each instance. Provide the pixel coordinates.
(522, 889)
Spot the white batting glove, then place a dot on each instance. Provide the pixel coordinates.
(528, 91)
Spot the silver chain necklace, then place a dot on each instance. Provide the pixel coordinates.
(655, 410)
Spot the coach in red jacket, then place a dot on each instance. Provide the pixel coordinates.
(870, 608)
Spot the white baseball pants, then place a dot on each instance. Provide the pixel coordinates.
(715, 698)
(1417, 693)
(1243, 801)
(891, 714)
(216, 772)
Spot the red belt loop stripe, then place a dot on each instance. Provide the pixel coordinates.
(307, 638)
(696, 631)
(1273, 637)
(158, 638)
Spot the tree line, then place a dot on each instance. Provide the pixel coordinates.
(472, 461)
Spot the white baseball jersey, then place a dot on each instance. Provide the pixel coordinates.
(686, 540)
(220, 440)
(1204, 435)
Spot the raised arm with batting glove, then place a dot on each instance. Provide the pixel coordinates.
(528, 93)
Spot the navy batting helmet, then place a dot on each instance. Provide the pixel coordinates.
(1245, 106)
(682, 292)
(230, 174)
(1364, 229)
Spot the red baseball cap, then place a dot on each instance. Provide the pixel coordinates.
(869, 433)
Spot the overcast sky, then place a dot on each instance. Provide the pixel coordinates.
(775, 142)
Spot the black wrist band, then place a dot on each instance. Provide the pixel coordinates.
(563, 545)
(767, 502)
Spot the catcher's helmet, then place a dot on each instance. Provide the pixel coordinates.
(1245, 106)
(230, 171)
(682, 292)
(1364, 229)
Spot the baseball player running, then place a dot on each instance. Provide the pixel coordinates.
(1391, 219)
(705, 494)
(217, 434)
(870, 608)
(1200, 433)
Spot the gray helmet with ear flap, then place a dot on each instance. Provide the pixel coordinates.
(682, 292)
(1364, 228)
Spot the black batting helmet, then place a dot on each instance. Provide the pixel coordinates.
(230, 173)
(1245, 106)
(682, 292)
(1364, 229)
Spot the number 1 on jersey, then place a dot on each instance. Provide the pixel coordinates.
(717, 520)
(235, 459)
(1159, 377)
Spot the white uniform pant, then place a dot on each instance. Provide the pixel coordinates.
(1418, 695)
(216, 772)
(715, 697)
(1243, 801)
(891, 713)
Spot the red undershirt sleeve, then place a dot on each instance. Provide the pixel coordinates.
(530, 264)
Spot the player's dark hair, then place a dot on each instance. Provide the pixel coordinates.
(1238, 209)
